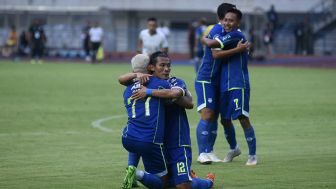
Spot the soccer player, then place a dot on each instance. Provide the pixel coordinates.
(144, 132)
(178, 143)
(235, 87)
(206, 86)
(150, 40)
(201, 28)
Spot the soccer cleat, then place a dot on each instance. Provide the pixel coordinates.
(193, 174)
(231, 154)
(135, 184)
(129, 177)
(210, 176)
(252, 160)
(204, 159)
(213, 157)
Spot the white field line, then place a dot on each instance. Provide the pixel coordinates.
(98, 123)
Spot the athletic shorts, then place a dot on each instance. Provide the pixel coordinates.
(179, 163)
(234, 103)
(153, 155)
(207, 95)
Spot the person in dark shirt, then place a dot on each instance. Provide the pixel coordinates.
(37, 40)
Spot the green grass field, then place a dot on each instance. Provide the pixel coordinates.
(47, 139)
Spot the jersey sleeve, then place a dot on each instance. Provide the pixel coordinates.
(164, 42)
(215, 31)
(230, 38)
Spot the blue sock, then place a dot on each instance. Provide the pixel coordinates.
(212, 135)
(230, 135)
(251, 140)
(198, 183)
(151, 181)
(133, 159)
(202, 133)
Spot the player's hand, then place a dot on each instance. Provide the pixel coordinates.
(139, 94)
(143, 78)
(243, 46)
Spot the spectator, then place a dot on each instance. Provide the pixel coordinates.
(37, 40)
(86, 41)
(150, 40)
(23, 48)
(96, 38)
(299, 40)
(191, 39)
(11, 43)
(252, 40)
(268, 38)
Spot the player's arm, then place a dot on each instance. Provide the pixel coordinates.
(174, 92)
(185, 101)
(210, 42)
(241, 47)
(128, 78)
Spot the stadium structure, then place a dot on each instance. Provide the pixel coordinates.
(122, 20)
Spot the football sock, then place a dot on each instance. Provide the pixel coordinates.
(251, 140)
(133, 159)
(149, 180)
(212, 135)
(202, 134)
(230, 135)
(198, 183)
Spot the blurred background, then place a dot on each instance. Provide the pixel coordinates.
(275, 28)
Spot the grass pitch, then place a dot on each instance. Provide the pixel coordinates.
(48, 141)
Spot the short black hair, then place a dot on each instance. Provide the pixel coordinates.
(237, 12)
(153, 57)
(152, 19)
(223, 8)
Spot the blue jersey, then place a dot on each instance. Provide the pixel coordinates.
(210, 68)
(234, 72)
(146, 117)
(177, 132)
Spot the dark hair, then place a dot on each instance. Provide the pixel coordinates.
(223, 8)
(237, 12)
(152, 19)
(155, 55)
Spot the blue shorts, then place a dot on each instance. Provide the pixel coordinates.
(207, 95)
(153, 155)
(234, 103)
(179, 163)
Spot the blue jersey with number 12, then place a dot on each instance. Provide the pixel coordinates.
(146, 117)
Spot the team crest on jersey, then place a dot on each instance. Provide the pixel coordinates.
(210, 100)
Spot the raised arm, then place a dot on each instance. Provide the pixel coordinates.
(128, 78)
(211, 43)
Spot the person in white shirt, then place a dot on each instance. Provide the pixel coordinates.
(96, 37)
(150, 40)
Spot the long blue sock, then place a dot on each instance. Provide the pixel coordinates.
(230, 135)
(133, 159)
(151, 181)
(198, 183)
(212, 135)
(202, 133)
(251, 140)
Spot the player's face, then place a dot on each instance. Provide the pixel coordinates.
(230, 22)
(161, 68)
(152, 25)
